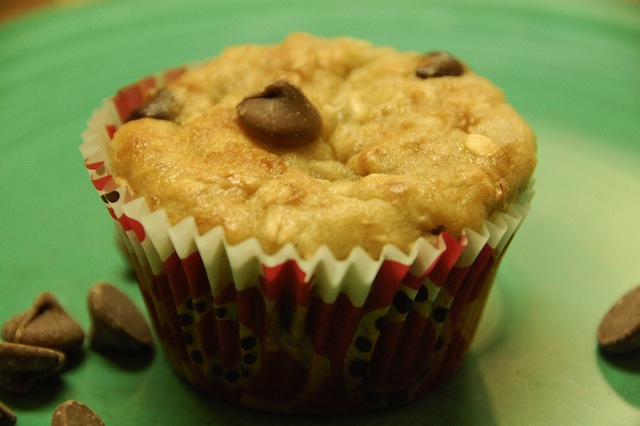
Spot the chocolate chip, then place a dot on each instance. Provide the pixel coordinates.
(22, 366)
(116, 323)
(619, 330)
(438, 64)
(74, 413)
(159, 104)
(7, 417)
(280, 114)
(45, 324)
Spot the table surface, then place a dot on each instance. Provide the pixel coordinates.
(571, 67)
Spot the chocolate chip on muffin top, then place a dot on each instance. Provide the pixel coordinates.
(280, 114)
(438, 64)
(158, 104)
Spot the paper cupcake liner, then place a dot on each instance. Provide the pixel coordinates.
(282, 333)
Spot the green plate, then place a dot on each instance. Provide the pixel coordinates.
(571, 67)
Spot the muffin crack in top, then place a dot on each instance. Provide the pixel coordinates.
(410, 145)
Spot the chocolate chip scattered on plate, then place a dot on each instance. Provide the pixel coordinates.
(22, 366)
(619, 330)
(45, 324)
(7, 417)
(116, 322)
(74, 413)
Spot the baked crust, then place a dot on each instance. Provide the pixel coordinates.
(399, 157)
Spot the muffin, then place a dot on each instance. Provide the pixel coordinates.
(315, 225)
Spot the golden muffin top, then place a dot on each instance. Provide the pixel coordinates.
(333, 142)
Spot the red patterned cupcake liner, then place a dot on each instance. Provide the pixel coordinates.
(282, 333)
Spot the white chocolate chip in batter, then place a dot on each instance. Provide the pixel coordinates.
(480, 145)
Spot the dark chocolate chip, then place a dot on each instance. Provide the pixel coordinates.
(18, 357)
(280, 114)
(45, 324)
(22, 366)
(74, 413)
(619, 330)
(7, 417)
(220, 312)
(159, 104)
(438, 64)
(116, 322)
